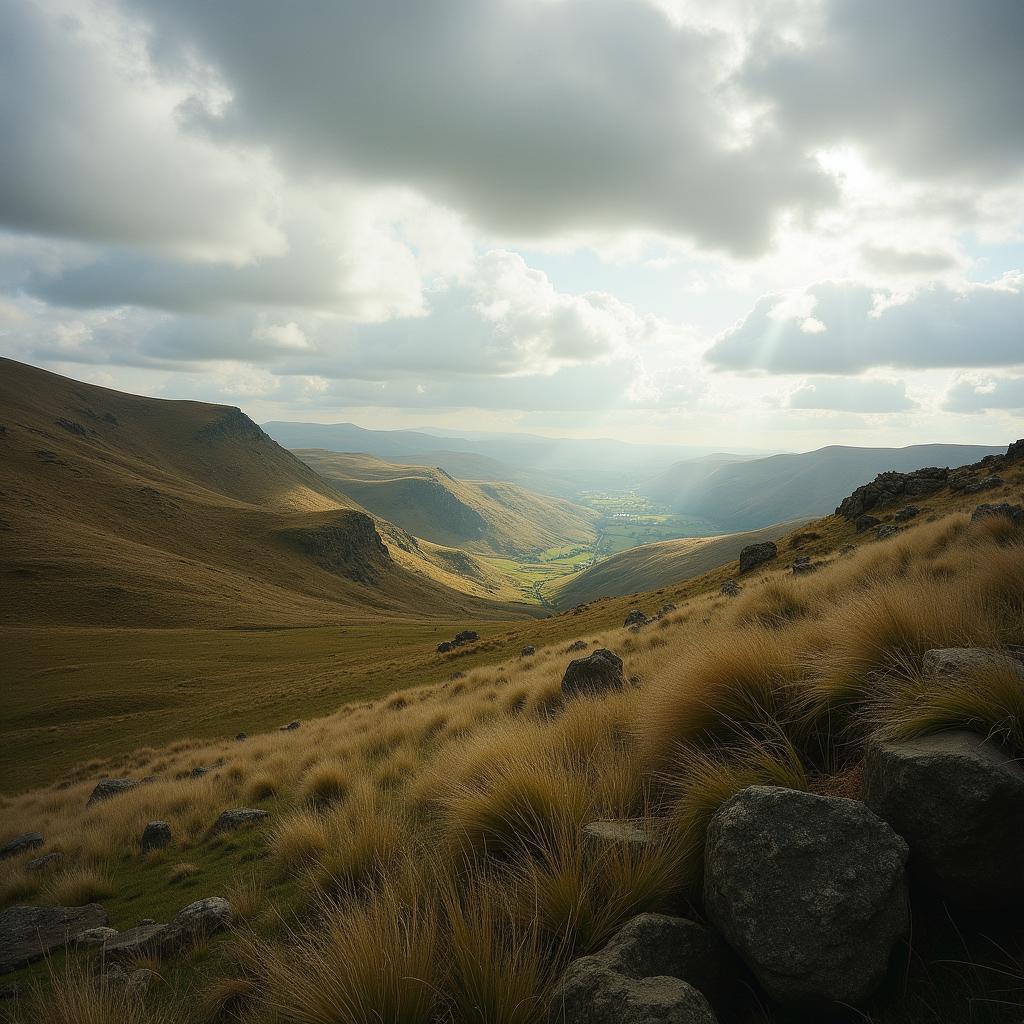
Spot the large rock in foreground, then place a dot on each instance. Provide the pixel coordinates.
(958, 800)
(809, 890)
(595, 673)
(754, 555)
(27, 934)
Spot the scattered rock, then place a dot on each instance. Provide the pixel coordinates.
(637, 832)
(958, 800)
(591, 993)
(467, 636)
(730, 588)
(907, 513)
(887, 530)
(576, 645)
(528, 651)
(95, 936)
(1015, 513)
(237, 817)
(809, 890)
(155, 836)
(754, 555)
(803, 565)
(27, 934)
(198, 920)
(635, 618)
(445, 646)
(291, 726)
(107, 788)
(963, 662)
(665, 609)
(198, 772)
(595, 673)
(134, 943)
(47, 861)
(21, 844)
(865, 522)
(241, 736)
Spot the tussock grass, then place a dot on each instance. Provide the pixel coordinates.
(77, 885)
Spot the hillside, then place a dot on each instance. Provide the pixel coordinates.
(755, 493)
(838, 752)
(654, 566)
(126, 511)
(487, 517)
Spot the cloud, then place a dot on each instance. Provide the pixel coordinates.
(535, 118)
(971, 396)
(852, 395)
(857, 328)
(928, 88)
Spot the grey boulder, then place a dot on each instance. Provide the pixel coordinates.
(107, 788)
(809, 890)
(1015, 513)
(961, 663)
(958, 801)
(21, 844)
(236, 817)
(27, 934)
(754, 555)
(47, 861)
(596, 673)
(635, 617)
(132, 943)
(155, 836)
(730, 588)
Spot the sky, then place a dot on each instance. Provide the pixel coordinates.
(776, 224)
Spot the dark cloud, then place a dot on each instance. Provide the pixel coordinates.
(852, 395)
(965, 396)
(930, 88)
(535, 117)
(841, 330)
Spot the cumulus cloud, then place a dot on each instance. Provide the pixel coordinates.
(979, 396)
(842, 394)
(855, 327)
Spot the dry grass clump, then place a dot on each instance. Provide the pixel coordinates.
(298, 839)
(77, 885)
(775, 603)
(183, 871)
(262, 787)
(325, 784)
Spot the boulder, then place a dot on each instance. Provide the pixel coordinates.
(754, 555)
(291, 726)
(237, 817)
(657, 945)
(27, 934)
(958, 801)
(1015, 513)
(199, 771)
(21, 844)
(635, 832)
(1015, 451)
(47, 861)
(155, 836)
(466, 636)
(134, 943)
(907, 513)
(665, 609)
(635, 618)
(730, 588)
(95, 936)
(198, 920)
(887, 530)
(595, 673)
(576, 645)
(962, 662)
(803, 565)
(107, 788)
(591, 993)
(528, 651)
(809, 890)
(445, 646)
(866, 522)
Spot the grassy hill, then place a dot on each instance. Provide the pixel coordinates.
(487, 517)
(658, 565)
(424, 853)
(754, 493)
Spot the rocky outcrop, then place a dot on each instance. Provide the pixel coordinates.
(350, 546)
(155, 836)
(134, 943)
(197, 921)
(865, 522)
(958, 801)
(27, 934)
(1015, 513)
(21, 844)
(237, 817)
(887, 530)
(889, 488)
(809, 890)
(754, 555)
(635, 617)
(107, 788)
(597, 673)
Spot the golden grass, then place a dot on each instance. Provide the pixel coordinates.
(78, 885)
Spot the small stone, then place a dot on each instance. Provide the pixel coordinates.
(107, 788)
(95, 936)
(576, 645)
(198, 772)
(237, 817)
(597, 673)
(730, 588)
(291, 726)
(445, 646)
(637, 832)
(528, 651)
(21, 844)
(241, 736)
(155, 836)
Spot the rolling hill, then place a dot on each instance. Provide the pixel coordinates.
(128, 511)
(653, 566)
(754, 493)
(486, 517)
